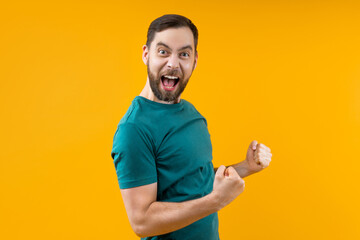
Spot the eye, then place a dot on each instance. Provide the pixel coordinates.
(185, 54)
(161, 51)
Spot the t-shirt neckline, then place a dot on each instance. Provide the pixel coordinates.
(162, 105)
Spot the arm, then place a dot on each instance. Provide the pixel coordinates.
(258, 157)
(149, 217)
(241, 168)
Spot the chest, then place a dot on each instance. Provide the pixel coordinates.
(185, 145)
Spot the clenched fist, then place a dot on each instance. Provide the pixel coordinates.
(258, 156)
(227, 185)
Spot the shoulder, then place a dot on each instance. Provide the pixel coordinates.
(189, 106)
(131, 112)
(131, 123)
(132, 139)
(137, 116)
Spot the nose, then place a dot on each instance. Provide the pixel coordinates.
(173, 62)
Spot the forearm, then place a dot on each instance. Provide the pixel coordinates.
(241, 168)
(164, 217)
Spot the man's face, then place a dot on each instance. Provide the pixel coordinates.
(170, 62)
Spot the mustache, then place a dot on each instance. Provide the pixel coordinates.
(172, 73)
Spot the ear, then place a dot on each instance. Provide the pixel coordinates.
(145, 54)
(196, 59)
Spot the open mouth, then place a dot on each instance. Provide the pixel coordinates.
(169, 83)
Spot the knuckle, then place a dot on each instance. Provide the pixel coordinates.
(241, 182)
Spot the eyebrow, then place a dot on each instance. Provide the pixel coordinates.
(182, 48)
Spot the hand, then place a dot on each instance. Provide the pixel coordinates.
(227, 186)
(258, 157)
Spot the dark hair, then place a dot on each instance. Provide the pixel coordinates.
(171, 21)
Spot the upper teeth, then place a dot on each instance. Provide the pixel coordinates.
(171, 77)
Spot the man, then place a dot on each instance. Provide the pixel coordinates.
(162, 150)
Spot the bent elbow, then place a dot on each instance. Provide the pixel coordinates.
(140, 230)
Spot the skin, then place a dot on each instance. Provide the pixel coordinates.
(149, 217)
(163, 60)
(258, 157)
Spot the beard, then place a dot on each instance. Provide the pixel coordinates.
(161, 94)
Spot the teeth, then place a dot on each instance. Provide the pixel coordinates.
(171, 77)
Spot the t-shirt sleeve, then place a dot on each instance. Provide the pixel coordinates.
(133, 156)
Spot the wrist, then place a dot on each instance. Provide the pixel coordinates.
(215, 201)
(243, 169)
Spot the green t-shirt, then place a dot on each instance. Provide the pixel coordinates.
(168, 144)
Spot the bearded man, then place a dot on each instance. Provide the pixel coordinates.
(162, 150)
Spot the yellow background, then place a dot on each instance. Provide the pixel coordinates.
(285, 73)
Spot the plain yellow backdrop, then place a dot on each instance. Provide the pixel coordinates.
(284, 73)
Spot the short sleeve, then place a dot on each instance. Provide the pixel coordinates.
(133, 156)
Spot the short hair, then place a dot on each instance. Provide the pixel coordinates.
(170, 21)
